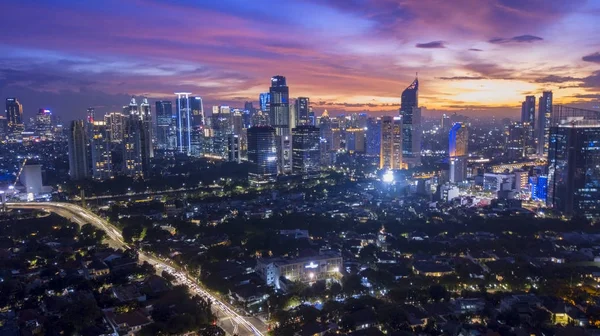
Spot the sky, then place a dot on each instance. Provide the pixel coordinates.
(478, 57)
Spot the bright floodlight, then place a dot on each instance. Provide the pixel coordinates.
(388, 177)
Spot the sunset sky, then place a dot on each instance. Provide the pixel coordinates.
(346, 55)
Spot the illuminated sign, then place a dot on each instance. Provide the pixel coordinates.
(311, 265)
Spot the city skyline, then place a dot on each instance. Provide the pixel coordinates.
(351, 57)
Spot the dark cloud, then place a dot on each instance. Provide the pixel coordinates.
(489, 70)
(587, 96)
(516, 39)
(594, 58)
(475, 49)
(557, 79)
(462, 78)
(431, 45)
(592, 81)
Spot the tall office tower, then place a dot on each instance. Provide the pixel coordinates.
(262, 154)
(544, 122)
(390, 156)
(14, 115)
(222, 126)
(312, 120)
(574, 162)
(326, 131)
(115, 123)
(183, 122)
(373, 136)
(260, 119)
(306, 155)
(528, 121)
(458, 152)
(237, 121)
(355, 140)
(137, 139)
(234, 152)
(264, 99)
(411, 125)
(147, 128)
(248, 113)
(516, 141)
(165, 136)
(279, 114)
(302, 111)
(248, 106)
(78, 154)
(90, 115)
(43, 124)
(197, 110)
(445, 123)
(101, 151)
(361, 120)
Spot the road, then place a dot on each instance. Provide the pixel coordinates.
(232, 322)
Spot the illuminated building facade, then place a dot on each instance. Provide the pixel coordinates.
(78, 153)
(305, 150)
(14, 116)
(544, 122)
(574, 162)
(391, 154)
(458, 140)
(262, 154)
(101, 151)
(183, 122)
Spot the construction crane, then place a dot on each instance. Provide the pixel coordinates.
(19, 173)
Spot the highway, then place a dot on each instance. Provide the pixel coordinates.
(232, 322)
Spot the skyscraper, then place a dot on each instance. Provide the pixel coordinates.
(528, 121)
(222, 126)
(197, 110)
(391, 154)
(165, 135)
(355, 140)
(411, 125)
(115, 123)
(574, 162)
(78, 154)
(101, 151)
(458, 140)
(262, 154)
(183, 122)
(305, 150)
(516, 141)
(264, 100)
(544, 122)
(279, 114)
(14, 115)
(326, 130)
(373, 136)
(302, 111)
(147, 128)
(137, 139)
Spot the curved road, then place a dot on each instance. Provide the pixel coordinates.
(232, 322)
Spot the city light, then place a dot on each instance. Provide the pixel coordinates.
(388, 177)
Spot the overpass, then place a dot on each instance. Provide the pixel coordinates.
(232, 322)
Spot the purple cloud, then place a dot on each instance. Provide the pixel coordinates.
(431, 45)
(516, 39)
(594, 58)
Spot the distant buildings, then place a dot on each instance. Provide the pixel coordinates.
(115, 122)
(411, 125)
(137, 145)
(391, 154)
(78, 154)
(373, 136)
(516, 141)
(305, 150)
(262, 153)
(574, 161)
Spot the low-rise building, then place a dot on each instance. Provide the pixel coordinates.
(324, 266)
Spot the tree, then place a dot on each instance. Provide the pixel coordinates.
(335, 289)
(438, 293)
(352, 284)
